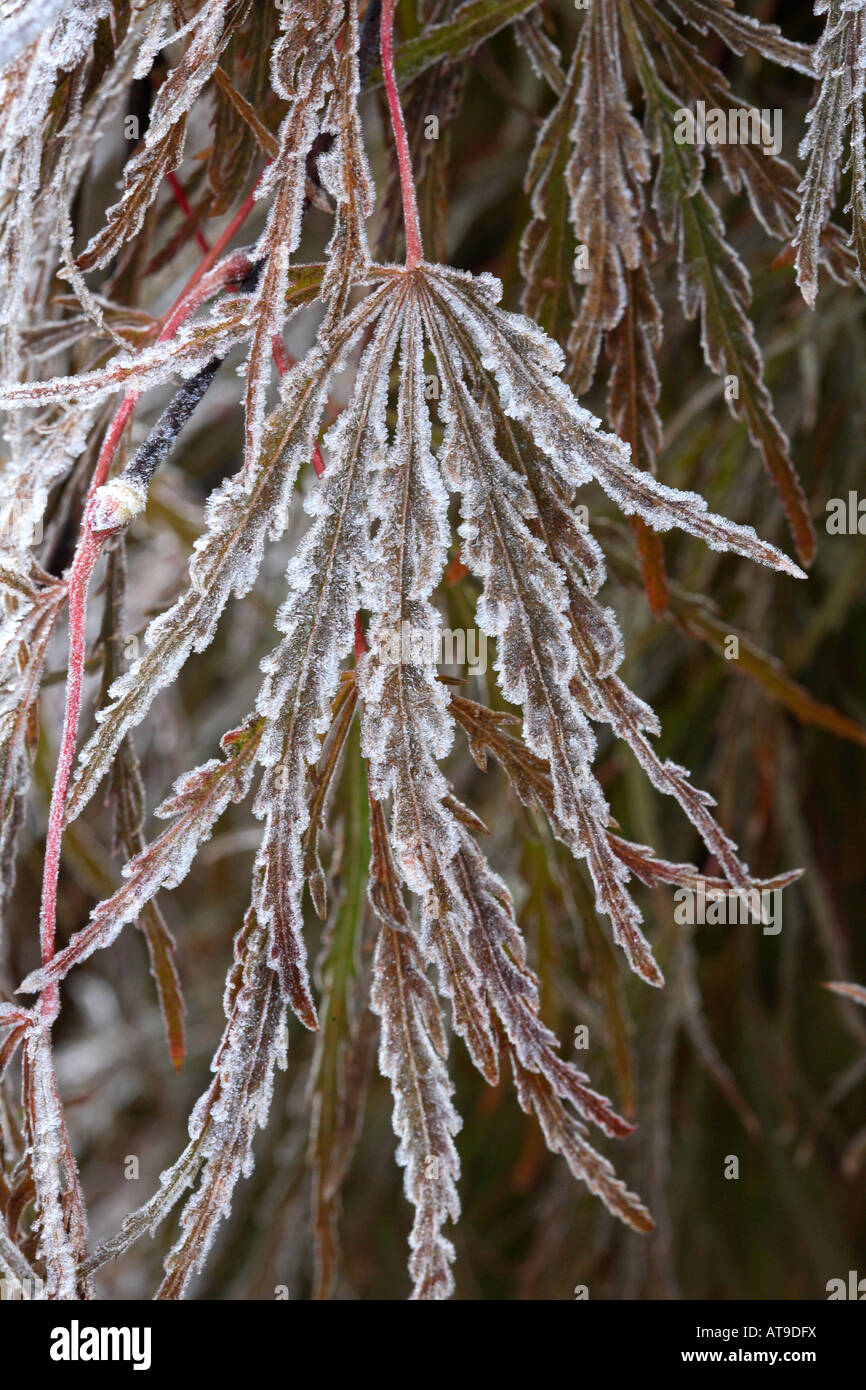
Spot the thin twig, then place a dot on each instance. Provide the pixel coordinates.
(183, 203)
(414, 249)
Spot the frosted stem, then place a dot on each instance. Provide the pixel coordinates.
(220, 244)
(182, 201)
(49, 1003)
(82, 568)
(414, 249)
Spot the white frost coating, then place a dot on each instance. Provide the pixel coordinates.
(24, 223)
(406, 560)
(840, 64)
(28, 610)
(183, 84)
(524, 604)
(31, 225)
(24, 24)
(527, 594)
(186, 353)
(115, 505)
(62, 46)
(225, 1118)
(266, 313)
(523, 359)
(513, 989)
(240, 514)
(47, 1164)
(302, 673)
(509, 354)
(196, 803)
(307, 44)
(28, 478)
(412, 1056)
(609, 161)
(158, 18)
(345, 174)
(405, 725)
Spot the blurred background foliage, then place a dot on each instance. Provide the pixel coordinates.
(743, 1053)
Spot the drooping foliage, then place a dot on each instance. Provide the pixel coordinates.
(421, 418)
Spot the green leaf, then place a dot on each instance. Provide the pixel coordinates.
(472, 25)
(333, 1125)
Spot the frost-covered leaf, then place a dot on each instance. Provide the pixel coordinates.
(712, 279)
(223, 1122)
(305, 85)
(164, 140)
(421, 384)
(345, 173)
(608, 164)
(840, 72)
(412, 1056)
(31, 606)
(301, 675)
(60, 1220)
(526, 364)
(848, 991)
(523, 605)
(241, 514)
(185, 353)
(513, 993)
(562, 1135)
(406, 727)
(742, 32)
(197, 801)
(226, 1117)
